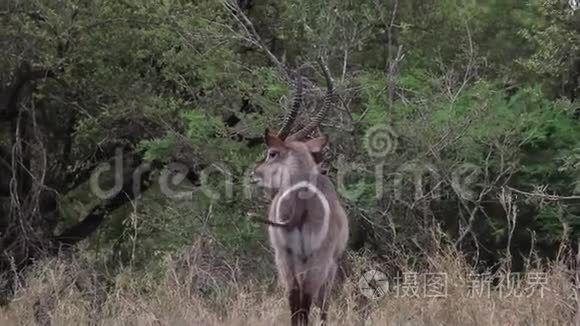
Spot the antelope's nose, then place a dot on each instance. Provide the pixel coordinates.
(254, 177)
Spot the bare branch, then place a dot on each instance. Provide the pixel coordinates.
(254, 37)
(540, 192)
(9, 95)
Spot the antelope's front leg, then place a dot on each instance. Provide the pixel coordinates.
(300, 303)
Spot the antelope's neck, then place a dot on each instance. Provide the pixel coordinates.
(305, 180)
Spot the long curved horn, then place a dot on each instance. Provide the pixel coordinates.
(320, 115)
(293, 111)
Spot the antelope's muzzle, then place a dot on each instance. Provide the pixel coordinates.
(255, 177)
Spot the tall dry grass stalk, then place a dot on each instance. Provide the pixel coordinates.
(188, 292)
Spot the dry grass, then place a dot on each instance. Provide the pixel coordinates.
(70, 293)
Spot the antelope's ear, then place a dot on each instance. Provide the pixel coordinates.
(317, 144)
(273, 140)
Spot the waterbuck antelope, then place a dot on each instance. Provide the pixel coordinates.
(308, 226)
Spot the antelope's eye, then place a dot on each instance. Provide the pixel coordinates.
(272, 154)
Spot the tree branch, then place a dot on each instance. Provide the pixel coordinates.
(134, 185)
(254, 38)
(5, 159)
(9, 95)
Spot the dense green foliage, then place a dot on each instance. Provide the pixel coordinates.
(480, 94)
